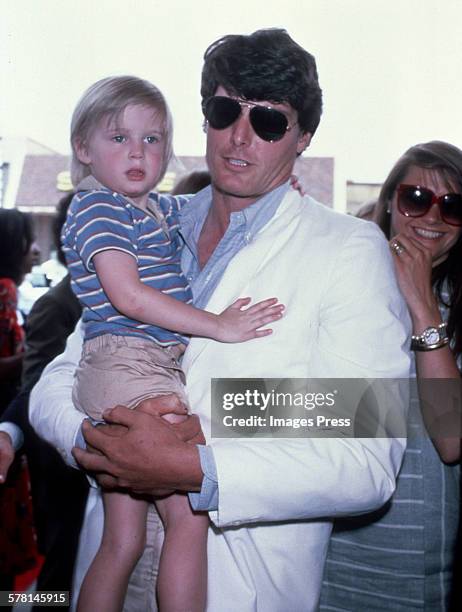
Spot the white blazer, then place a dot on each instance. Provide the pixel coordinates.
(344, 318)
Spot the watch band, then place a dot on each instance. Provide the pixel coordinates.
(430, 339)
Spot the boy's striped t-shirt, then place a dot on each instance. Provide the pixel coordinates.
(100, 220)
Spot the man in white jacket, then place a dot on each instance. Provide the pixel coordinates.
(270, 501)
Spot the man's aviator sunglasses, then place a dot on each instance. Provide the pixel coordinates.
(269, 124)
(416, 201)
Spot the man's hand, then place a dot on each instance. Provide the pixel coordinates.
(168, 406)
(6, 455)
(151, 456)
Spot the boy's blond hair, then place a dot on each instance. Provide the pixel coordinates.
(107, 99)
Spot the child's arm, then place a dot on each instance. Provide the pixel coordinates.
(118, 275)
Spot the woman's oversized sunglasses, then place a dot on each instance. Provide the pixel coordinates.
(416, 201)
(269, 124)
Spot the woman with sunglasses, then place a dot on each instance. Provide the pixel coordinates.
(400, 557)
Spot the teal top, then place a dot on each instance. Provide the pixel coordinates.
(400, 558)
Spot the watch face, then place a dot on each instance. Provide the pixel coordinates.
(431, 336)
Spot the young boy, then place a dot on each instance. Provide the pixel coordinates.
(123, 251)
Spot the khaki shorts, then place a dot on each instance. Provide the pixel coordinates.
(125, 370)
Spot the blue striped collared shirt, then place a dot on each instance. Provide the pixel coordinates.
(243, 226)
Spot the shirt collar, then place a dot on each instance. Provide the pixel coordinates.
(88, 183)
(194, 212)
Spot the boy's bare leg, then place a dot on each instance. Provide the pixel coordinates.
(182, 578)
(124, 536)
(182, 581)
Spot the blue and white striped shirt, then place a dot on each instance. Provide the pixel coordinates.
(99, 220)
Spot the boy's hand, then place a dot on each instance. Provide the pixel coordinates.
(238, 325)
(170, 407)
(295, 184)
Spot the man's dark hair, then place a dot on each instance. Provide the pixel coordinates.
(266, 65)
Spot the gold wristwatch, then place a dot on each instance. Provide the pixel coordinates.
(430, 339)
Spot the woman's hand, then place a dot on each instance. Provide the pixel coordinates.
(413, 265)
(440, 402)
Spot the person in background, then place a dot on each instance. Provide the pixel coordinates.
(53, 317)
(366, 211)
(192, 182)
(16, 240)
(17, 545)
(58, 508)
(401, 557)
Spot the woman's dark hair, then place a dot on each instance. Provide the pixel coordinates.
(266, 65)
(16, 237)
(58, 222)
(446, 159)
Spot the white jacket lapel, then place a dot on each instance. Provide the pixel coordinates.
(243, 267)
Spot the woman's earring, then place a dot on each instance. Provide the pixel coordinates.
(205, 125)
(388, 208)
